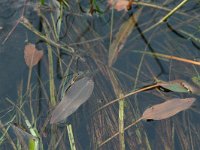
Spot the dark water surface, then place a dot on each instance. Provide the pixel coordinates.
(89, 35)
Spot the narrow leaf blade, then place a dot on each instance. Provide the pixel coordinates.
(121, 37)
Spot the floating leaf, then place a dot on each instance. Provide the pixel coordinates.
(179, 86)
(159, 112)
(119, 4)
(121, 37)
(31, 55)
(167, 109)
(75, 96)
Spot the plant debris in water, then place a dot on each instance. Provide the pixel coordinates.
(75, 96)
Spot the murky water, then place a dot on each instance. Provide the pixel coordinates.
(90, 36)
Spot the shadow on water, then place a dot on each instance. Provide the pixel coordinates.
(89, 28)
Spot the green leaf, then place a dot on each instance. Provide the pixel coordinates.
(196, 80)
(180, 86)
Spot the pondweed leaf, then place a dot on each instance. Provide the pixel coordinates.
(179, 86)
(31, 55)
(159, 112)
(167, 109)
(75, 96)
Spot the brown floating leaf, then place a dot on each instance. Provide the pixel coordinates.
(167, 109)
(31, 55)
(119, 4)
(179, 86)
(159, 112)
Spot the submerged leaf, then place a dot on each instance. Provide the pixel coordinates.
(31, 55)
(75, 96)
(196, 80)
(25, 139)
(167, 109)
(179, 86)
(121, 37)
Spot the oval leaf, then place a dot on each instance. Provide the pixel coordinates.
(119, 4)
(75, 96)
(180, 86)
(31, 55)
(167, 109)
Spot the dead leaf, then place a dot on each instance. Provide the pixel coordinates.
(119, 4)
(167, 109)
(31, 55)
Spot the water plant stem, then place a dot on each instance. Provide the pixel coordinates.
(127, 95)
(121, 124)
(171, 57)
(157, 7)
(163, 19)
(24, 21)
(33, 130)
(71, 137)
(5, 134)
(114, 135)
(51, 73)
(118, 92)
(29, 79)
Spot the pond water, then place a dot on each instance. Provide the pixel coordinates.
(90, 34)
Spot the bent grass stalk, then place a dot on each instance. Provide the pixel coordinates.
(114, 135)
(127, 95)
(163, 19)
(171, 57)
(161, 111)
(118, 93)
(25, 22)
(158, 7)
(51, 76)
